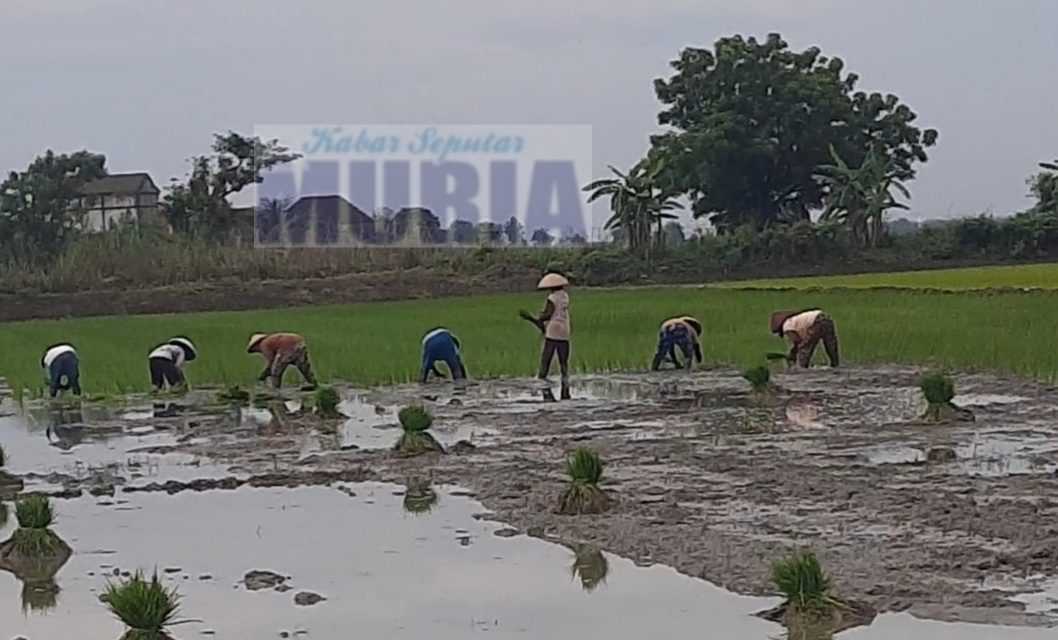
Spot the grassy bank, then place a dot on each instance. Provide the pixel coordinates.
(1030, 276)
(614, 329)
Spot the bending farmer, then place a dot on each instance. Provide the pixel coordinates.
(682, 333)
(282, 350)
(62, 369)
(441, 345)
(557, 328)
(167, 363)
(805, 330)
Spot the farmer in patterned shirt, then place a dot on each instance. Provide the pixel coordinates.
(805, 330)
(282, 350)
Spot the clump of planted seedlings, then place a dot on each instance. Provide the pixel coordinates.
(939, 391)
(325, 403)
(759, 378)
(809, 604)
(590, 566)
(33, 552)
(416, 439)
(146, 607)
(419, 496)
(583, 495)
(234, 395)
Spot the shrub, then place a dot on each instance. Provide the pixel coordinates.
(146, 607)
(416, 438)
(759, 378)
(326, 401)
(583, 494)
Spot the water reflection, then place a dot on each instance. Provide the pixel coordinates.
(66, 428)
(5, 514)
(40, 597)
(591, 566)
(419, 496)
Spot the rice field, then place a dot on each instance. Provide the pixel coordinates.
(1032, 276)
(379, 343)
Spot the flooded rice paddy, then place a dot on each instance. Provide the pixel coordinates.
(948, 530)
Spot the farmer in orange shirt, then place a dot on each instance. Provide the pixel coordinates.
(282, 350)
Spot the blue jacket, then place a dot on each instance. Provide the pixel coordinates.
(441, 345)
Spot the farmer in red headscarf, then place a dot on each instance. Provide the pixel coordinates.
(805, 330)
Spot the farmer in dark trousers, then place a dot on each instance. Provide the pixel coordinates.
(805, 330)
(167, 363)
(62, 369)
(282, 350)
(440, 345)
(679, 333)
(557, 330)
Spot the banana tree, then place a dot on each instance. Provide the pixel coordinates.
(859, 197)
(638, 205)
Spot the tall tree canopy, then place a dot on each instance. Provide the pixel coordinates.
(38, 212)
(751, 122)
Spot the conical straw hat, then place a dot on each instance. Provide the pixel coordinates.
(551, 281)
(254, 339)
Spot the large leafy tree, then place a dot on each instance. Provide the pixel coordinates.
(751, 121)
(39, 210)
(200, 205)
(1044, 187)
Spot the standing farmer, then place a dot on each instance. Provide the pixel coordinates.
(441, 345)
(557, 329)
(805, 330)
(62, 369)
(682, 333)
(282, 350)
(167, 363)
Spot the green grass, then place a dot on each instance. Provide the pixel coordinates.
(34, 512)
(612, 330)
(146, 607)
(801, 580)
(1032, 276)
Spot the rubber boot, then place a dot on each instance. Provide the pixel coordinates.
(565, 390)
(548, 395)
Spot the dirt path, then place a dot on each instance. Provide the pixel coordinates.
(718, 484)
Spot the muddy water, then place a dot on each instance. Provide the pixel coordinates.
(384, 573)
(707, 479)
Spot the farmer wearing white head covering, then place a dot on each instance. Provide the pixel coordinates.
(62, 369)
(167, 362)
(441, 345)
(557, 328)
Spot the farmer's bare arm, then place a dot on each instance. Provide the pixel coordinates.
(549, 309)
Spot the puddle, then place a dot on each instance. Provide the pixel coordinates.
(375, 426)
(999, 456)
(985, 399)
(385, 573)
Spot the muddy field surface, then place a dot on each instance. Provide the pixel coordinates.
(954, 522)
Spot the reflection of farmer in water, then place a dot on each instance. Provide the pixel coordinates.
(557, 329)
(805, 330)
(441, 345)
(679, 333)
(282, 350)
(62, 369)
(65, 429)
(167, 363)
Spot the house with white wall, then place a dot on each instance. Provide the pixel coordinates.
(117, 198)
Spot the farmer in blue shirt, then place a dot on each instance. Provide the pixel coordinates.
(62, 369)
(441, 345)
(682, 333)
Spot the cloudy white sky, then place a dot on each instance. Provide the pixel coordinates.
(148, 81)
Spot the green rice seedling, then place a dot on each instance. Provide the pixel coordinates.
(325, 402)
(145, 607)
(801, 580)
(939, 391)
(419, 497)
(583, 495)
(759, 378)
(34, 543)
(416, 439)
(34, 512)
(590, 566)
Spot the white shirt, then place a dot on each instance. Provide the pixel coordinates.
(801, 322)
(169, 352)
(55, 352)
(558, 326)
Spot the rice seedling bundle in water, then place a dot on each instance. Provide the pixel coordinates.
(326, 401)
(759, 378)
(583, 495)
(810, 607)
(34, 537)
(145, 607)
(39, 596)
(939, 391)
(416, 439)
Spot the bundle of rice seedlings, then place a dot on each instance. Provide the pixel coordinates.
(759, 378)
(419, 497)
(145, 607)
(416, 439)
(34, 537)
(234, 394)
(325, 403)
(939, 391)
(583, 495)
(801, 580)
(591, 566)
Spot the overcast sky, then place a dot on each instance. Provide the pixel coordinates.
(147, 82)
